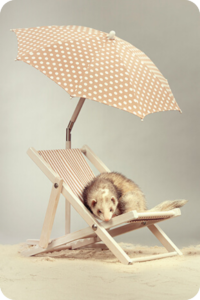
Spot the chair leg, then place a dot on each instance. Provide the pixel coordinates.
(67, 216)
(164, 239)
(113, 245)
(50, 214)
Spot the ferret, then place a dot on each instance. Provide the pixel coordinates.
(112, 194)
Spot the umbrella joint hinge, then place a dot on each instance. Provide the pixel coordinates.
(70, 125)
(68, 131)
(68, 134)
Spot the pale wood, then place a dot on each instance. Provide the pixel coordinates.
(77, 204)
(67, 217)
(84, 242)
(177, 212)
(101, 167)
(136, 225)
(66, 191)
(42, 164)
(124, 218)
(169, 213)
(71, 245)
(101, 232)
(77, 244)
(113, 232)
(50, 213)
(89, 218)
(34, 242)
(60, 241)
(128, 227)
(164, 239)
(73, 240)
(89, 241)
(83, 233)
(113, 245)
(152, 257)
(63, 247)
(97, 246)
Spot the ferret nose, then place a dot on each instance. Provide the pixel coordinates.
(107, 220)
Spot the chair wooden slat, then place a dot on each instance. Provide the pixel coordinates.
(70, 164)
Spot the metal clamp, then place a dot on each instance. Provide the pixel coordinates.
(143, 222)
(56, 185)
(94, 227)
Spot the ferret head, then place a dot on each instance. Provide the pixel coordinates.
(103, 204)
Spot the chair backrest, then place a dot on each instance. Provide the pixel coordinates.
(71, 166)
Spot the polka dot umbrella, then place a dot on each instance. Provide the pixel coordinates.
(92, 64)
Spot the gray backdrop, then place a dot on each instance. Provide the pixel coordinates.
(160, 154)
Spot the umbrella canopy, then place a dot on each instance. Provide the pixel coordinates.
(95, 65)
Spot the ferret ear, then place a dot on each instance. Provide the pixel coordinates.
(93, 202)
(113, 199)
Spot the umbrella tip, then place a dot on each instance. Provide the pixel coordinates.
(180, 111)
(111, 35)
(142, 120)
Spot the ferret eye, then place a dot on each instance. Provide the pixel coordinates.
(111, 209)
(113, 200)
(99, 211)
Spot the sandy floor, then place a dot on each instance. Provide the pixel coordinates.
(96, 274)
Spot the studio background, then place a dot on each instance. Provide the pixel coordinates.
(161, 154)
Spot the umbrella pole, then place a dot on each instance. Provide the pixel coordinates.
(72, 121)
(68, 146)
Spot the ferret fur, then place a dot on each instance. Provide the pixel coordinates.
(112, 194)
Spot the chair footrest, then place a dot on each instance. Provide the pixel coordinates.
(156, 256)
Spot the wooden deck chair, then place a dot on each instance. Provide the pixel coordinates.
(69, 171)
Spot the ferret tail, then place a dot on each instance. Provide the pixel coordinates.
(168, 205)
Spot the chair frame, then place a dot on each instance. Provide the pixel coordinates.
(97, 231)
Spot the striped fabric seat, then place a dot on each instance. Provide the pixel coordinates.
(71, 166)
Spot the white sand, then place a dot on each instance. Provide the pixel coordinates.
(96, 274)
